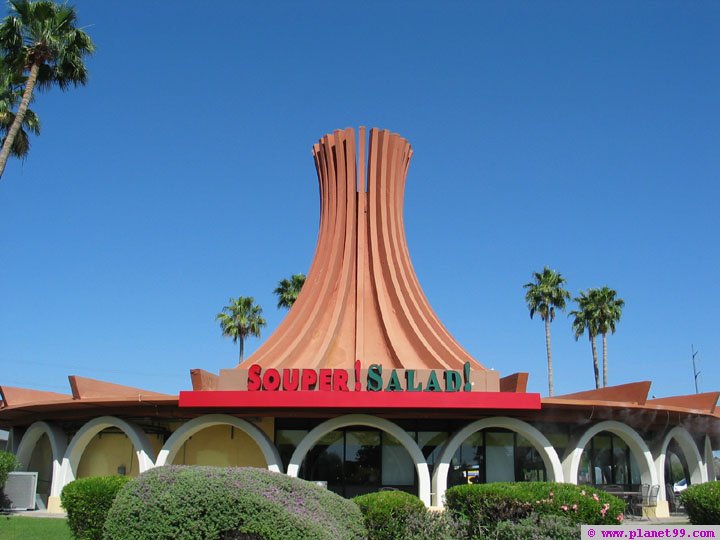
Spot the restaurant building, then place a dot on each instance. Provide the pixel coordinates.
(362, 388)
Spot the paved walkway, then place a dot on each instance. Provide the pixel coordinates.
(33, 513)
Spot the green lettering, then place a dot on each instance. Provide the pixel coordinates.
(410, 378)
(394, 384)
(432, 383)
(374, 378)
(466, 374)
(452, 381)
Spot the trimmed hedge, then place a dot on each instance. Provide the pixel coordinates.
(702, 503)
(387, 513)
(87, 502)
(485, 504)
(209, 503)
(538, 527)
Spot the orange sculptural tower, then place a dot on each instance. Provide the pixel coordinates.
(362, 299)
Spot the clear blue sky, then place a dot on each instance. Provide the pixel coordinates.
(583, 136)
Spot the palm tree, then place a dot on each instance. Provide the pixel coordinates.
(608, 310)
(586, 320)
(240, 319)
(40, 39)
(288, 290)
(10, 95)
(543, 296)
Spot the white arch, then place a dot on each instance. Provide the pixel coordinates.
(532, 434)
(698, 473)
(71, 460)
(187, 430)
(393, 429)
(571, 462)
(709, 460)
(58, 445)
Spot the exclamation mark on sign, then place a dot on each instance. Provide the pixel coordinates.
(466, 373)
(357, 375)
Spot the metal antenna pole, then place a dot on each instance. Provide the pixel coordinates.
(695, 371)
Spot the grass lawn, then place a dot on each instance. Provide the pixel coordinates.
(27, 528)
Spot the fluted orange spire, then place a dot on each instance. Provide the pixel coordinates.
(361, 299)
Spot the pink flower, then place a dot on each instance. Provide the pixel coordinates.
(603, 512)
(564, 507)
(574, 507)
(596, 497)
(552, 494)
(620, 517)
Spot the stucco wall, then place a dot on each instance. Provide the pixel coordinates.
(221, 446)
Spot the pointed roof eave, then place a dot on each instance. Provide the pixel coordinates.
(203, 380)
(13, 396)
(84, 388)
(630, 393)
(705, 402)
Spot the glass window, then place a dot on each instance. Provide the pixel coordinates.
(531, 467)
(325, 461)
(286, 441)
(398, 468)
(362, 457)
(467, 466)
(500, 457)
(601, 457)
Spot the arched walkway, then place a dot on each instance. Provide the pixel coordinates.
(143, 449)
(187, 430)
(532, 434)
(698, 473)
(58, 445)
(640, 450)
(312, 438)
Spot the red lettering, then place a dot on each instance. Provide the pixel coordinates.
(308, 379)
(271, 379)
(325, 380)
(253, 382)
(291, 379)
(340, 380)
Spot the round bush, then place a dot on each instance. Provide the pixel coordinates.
(208, 503)
(702, 503)
(485, 504)
(8, 464)
(87, 502)
(387, 513)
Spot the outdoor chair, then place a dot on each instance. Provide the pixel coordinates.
(636, 505)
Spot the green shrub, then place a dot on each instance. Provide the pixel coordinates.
(431, 525)
(485, 504)
(702, 502)
(208, 503)
(87, 502)
(538, 527)
(386, 513)
(8, 464)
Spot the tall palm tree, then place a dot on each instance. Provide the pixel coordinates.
(240, 319)
(10, 95)
(288, 290)
(586, 321)
(608, 311)
(40, 38)
(544, 295)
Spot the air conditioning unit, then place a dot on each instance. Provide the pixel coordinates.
(20, 489)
